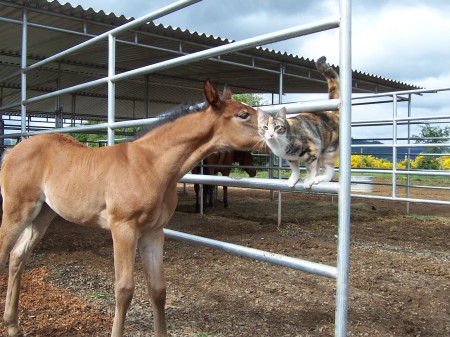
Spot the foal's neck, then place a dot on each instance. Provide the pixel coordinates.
(179, 145)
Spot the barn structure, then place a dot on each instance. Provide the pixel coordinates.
(51, 27)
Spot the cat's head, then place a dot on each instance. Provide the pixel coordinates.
(272, 126)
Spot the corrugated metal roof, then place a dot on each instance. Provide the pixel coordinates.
(54, 27)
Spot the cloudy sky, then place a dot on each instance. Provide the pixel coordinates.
(404, 40)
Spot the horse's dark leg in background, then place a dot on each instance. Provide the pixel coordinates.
(197, 197)
(208, 191)
(208, 194)
(225, 196)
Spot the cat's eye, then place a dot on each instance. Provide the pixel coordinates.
(244, 115)
(279, 128)
(264, 127)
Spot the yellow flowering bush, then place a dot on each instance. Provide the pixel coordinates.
(420, 162)
(445, 162)
(363, 161)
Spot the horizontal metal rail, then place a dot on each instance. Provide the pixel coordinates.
(259, 183)
(402, 145)
(293, 108)
(318, 105)
(400, 119)
(282, 185)
(405, 172)
(424, 201)
(278, 259)
(403, 92)
(234, 46)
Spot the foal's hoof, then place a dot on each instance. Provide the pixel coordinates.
(15, 332)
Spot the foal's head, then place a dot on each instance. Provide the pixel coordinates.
(237, 123)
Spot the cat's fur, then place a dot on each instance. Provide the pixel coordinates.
(309, 136)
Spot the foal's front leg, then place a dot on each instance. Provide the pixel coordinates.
(151, 248)
(125, 242)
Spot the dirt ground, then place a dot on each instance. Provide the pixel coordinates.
(399, 281)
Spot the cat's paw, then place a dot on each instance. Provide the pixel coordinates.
(308, 183)
(317, 180)
(292, 181)
(313, 181)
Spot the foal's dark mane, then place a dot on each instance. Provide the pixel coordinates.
(172, 115)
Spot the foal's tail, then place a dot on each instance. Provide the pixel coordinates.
(332, 77)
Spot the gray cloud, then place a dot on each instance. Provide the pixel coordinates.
(403, 40)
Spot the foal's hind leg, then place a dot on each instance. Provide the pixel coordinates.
(29, 238)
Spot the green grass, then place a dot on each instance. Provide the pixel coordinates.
(99, 294)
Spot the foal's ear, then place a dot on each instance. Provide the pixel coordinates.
(212, 94)
(226, 93)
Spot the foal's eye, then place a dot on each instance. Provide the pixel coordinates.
(244, 115)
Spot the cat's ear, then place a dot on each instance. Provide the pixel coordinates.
(282, 113)
(212, 94)
(261, 115)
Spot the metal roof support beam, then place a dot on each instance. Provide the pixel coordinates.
(128, 26)
(201, 55)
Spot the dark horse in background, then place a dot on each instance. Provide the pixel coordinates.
(225, 158)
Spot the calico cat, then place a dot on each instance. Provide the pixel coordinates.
(309, 136)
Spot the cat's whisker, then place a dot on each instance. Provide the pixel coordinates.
(259, 145)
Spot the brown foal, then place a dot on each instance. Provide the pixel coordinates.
(128, 188)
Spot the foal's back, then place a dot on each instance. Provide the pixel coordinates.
(71, 178)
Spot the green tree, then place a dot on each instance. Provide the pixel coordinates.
(433, 135)
(426, 163)
(100, 138)
(250, 99)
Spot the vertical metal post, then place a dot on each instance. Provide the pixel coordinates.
(146, 97)
(408, 156)
(23, 64)
(111, 86)
(2, 123)
(73, 108)
(201, 189)
(280, 161)
(58, 113)
(394, 147)
(271, 159)
(343, 258)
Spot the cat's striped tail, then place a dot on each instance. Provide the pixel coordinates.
(331, 76)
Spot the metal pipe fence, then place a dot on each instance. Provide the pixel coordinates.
(343, 188)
